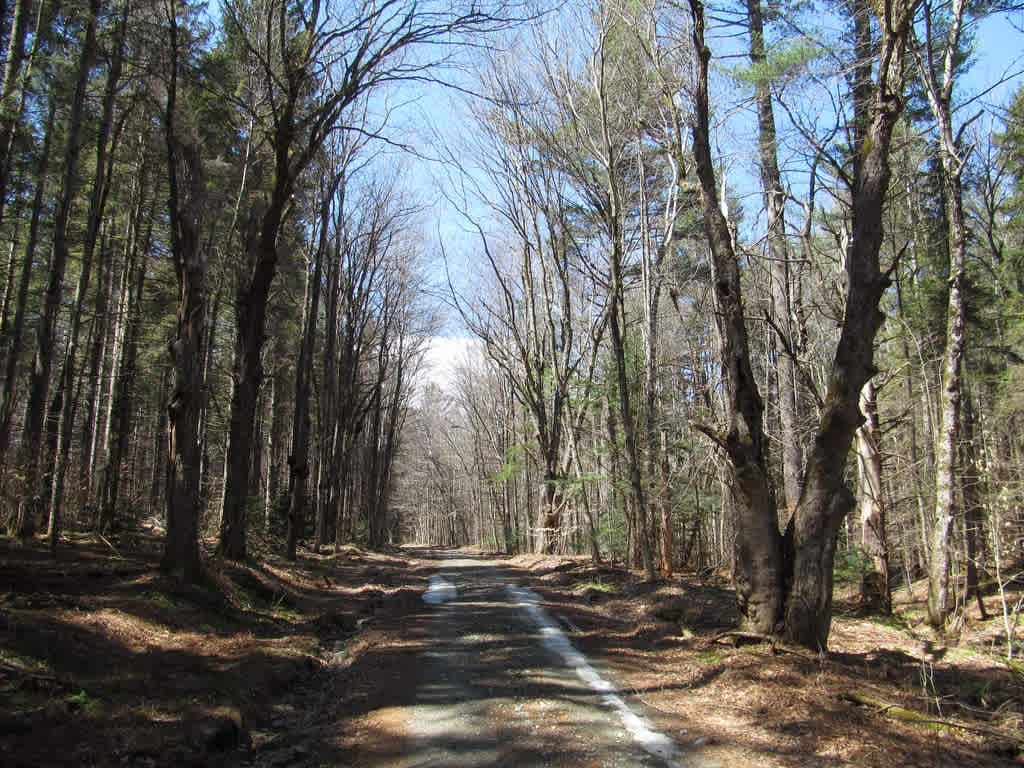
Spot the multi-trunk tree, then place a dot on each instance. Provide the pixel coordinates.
(784, 579)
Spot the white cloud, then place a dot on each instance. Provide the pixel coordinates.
(444, 355)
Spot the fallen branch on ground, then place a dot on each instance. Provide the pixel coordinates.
(112, 547)
(897, 712)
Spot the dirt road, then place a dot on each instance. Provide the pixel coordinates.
(502, 685)
(475, 674)
(418, 657)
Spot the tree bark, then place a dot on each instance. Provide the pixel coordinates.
(765, 585)
(298, 461)
(15, 341)
(953, 161)
(774, 197)
(974, 512)
(13, 90)
(96, 358)
(757, 557)
(665, 506)
(106, 144)
(825, 499)
(39, 387)
(628, 430)
(186, 210)
(870, 500)
(124, 398)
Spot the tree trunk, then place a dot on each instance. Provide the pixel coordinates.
(761, 555)
(913, 452)
(96, 360)
(124, 399)
(953, 162)
(15, 342)
(593, 544)
(250, 317)
(875, 590)
(778, 256)
(29, 508)
(97, 204)
(158, 479)
(298, 461)
(974, 512)
(826, 500)
(617, 497)
(186, 209)
(628, 430)
(757, 558)
(327, 508)
(665, 504)
(13, 90)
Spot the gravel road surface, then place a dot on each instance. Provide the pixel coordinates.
(502, 685)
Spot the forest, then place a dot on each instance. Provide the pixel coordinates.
(702, 320)
(742, 287)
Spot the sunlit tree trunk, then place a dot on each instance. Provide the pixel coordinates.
(107, 139)
(757, 557)
(871, 502)
(784, 584)
(121, 421)
(825, 499)
(939, 87)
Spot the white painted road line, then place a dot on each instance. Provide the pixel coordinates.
(554, 639)
(439, 591)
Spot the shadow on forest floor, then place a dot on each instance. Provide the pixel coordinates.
(105, 662)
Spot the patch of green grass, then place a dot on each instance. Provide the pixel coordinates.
(610, 589)
(13, 699)
(83, 701)
(163, 600)
(894, 621)
(710, 657)
(27, 663)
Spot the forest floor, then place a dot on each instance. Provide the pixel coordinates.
(105, 662)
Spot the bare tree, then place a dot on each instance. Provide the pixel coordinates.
(313, 61)
(531, 324)
(939, 80)
(785, 583)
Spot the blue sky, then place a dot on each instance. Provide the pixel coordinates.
(438, 115)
